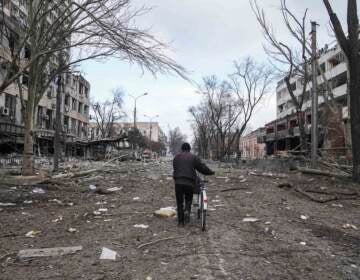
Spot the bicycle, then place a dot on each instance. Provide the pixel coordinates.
(202, 204)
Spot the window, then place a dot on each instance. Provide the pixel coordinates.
(10, 104)
(293, 86)
(74, 103)
(323, 69)
(337, 59)
(49, 92)
(27, 52)
(86, 110)
(339, 80)
(67, 100)
(80, 108)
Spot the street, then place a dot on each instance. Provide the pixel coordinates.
(284, 234)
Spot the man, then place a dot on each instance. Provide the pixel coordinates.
(185, 166)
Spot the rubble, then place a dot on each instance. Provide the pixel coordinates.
(48, 252)
(107, 254)
(166, 212)
(33, 233)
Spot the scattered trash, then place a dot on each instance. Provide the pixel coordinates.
(92, 188)
(166, 212)
(136, 198)
(268, 223)
(70, 204)
(59, 219)
(7, 204)
(115, 189)
(303, 217)
(102, 210)
(56, 201)
(108, 220)
(215, 200)
(108, 254)
(100, 203)
(224, 178)
(141, 226)
(33, 233)
(349, 226)
(28, 202)
(149, 278)
(303, 243)
(243, 181)
(97, 213)
(72, 230)
(353, 266)
(38, 191)
(48, 252)
(337, 205)
(250, 220)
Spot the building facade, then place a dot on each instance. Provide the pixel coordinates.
(75, 101)
(252, 145)
(283, 133)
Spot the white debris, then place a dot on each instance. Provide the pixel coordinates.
(108, 254)
(141, 226)
(7, 204)
(114, 189)
(72, 230)
(92, 188)
(243, 181)
(215, 200)
(102, 210)
(56, 201)
(38, 191)
(349, 226)
(28, 202)
(33, 233)
(251, 220)
(267, 223)
(149, 278)
(166, 212)
(337, 205)
(58, 219)
(304, 217)
(353, 266)
(100, 203)
(136, 198)
(97, 213)
(48, 252)
(303, 243)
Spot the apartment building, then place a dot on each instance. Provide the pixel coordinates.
(75, 102)
(150, 130)
(283, 133)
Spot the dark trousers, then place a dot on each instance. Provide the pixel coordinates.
(181, 192)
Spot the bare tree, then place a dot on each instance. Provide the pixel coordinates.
(107, 113)
(290, 62)
(250, 83)
(176, 139)
(351, 46)
(81, 30)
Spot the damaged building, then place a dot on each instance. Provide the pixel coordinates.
(283, 134)
(75, 101)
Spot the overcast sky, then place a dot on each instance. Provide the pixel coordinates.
(205, 36)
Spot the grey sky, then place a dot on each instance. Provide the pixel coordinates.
(206, 36)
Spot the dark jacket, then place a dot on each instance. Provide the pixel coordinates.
(185, 166)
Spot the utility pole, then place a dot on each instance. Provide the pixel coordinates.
(135, 99)
(58, 118)
(314, 100)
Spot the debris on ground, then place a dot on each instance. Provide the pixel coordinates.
(107, 254)
(166, 212)
(48, 252)
(251, 220)
(349, 226)
(7, 204)
(33, 233)
(141, 226)
(38, 191)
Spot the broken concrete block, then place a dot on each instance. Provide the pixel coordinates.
(108, 254)
(141, 226)
(33, 233)
(48, 252)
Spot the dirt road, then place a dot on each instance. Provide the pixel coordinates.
(293, 237)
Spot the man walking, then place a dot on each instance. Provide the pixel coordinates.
(185, 166)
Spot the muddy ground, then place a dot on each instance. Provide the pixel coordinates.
(294, 237)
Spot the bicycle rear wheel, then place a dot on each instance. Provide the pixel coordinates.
(203, 214)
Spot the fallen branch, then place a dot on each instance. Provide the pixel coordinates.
(160, 240)
(322, 173)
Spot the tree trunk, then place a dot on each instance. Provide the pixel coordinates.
(302, 131)
(28, 160)
(355, 116)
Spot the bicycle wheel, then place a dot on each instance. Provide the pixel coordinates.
(199, 206)
(203, 215)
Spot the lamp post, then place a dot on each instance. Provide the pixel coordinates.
(150, 121)
(135, 99)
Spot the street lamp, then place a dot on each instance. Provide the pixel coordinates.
(135, 99)
(150, 120)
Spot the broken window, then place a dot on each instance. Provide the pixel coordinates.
(10, 106)
(74, 104)
(339, 80)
